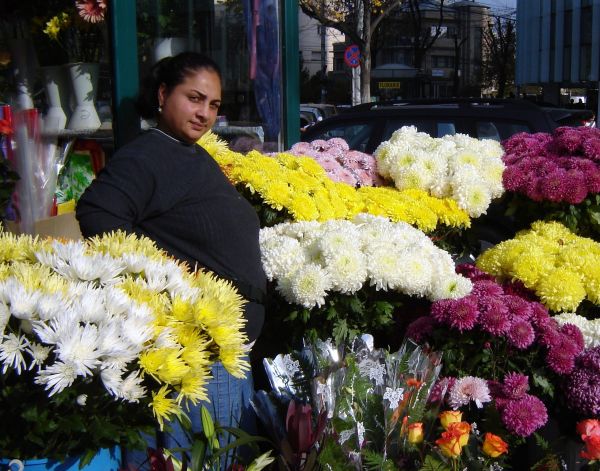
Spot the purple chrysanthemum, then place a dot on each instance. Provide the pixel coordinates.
(517, 307)
(576, 188)
(548, 332)
(554, 186)
(463, 313)
(568, 140)
(494, 317)
(515, 385)
(473, 273)
(485, 288)
(590, 359)
(420, 328)
(539, 315)
(441, 388)
(582, 391)
(521, 334)
(573, 333)
(524, 416)
(561, 356)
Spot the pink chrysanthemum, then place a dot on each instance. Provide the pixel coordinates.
(463, 313)
(520, 334)
(515, 385)
(440, 310)
(494, 317)
(469, 389)
(524, 416)
(91, 11)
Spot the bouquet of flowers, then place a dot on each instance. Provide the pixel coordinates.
(559, 266)
(94, 332)
(341, 164)
(285, 187)
(459, 167)
(345, 277)
(555, 177)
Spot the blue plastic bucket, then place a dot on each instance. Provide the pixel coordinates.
(105, 460)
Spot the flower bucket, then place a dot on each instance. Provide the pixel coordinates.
(105, 460)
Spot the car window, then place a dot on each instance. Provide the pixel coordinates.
(356, 134)
(500, 129)
(445, 129)
(393, 124)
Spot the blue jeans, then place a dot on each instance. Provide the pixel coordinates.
(229, 406)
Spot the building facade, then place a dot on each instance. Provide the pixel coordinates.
(558, 47)
(311, 38)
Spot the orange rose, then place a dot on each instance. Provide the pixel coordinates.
(494, 446)
(592, 447)
(449, 417)
(449, 444)
(415, 433)
(589, 427)
(461, 430)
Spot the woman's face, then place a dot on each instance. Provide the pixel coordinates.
(190, 109)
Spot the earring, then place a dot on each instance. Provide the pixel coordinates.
(159, 109)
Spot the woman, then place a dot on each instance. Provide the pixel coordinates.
(166, 187)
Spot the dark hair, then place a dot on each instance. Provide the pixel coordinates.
(171, 71)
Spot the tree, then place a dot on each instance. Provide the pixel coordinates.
(421, 30)
(358, 20)
(499, 42)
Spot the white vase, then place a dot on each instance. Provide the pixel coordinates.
(58, 93)
(84, 82)
(166, 47)
(24, 64)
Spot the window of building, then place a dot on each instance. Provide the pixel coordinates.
(251, 76)
(440, 62)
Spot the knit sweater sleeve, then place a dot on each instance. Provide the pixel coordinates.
(117, 198)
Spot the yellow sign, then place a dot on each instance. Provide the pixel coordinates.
(389, 84)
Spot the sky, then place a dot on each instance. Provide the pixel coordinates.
(500, 4)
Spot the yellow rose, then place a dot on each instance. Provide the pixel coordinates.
(494, 446)
(449, 444)
(415, 433)
(461, 430)
(449, 417)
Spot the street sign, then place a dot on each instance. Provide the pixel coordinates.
(389, 85)
(352, 56)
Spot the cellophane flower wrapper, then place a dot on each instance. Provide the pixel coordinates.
(382, 393)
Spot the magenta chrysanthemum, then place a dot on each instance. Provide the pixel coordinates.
(517, 288)
(419, 329)
(473, 273)
(573, 333)
(524, 416)
(521, 334)
(515, 385)
(469, 389)
(517, 307)
(494, 317)
(484, 288)
(463, 313)
(440, 389)
(561, 357)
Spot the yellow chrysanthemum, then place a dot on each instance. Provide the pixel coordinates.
(152, 360)
(119, 243)
(182, 309)
(163, 407)
(193, 386)
(15, 248)
(174, 368)
(213, 144)
(592, 283)
(561, 290)
(233, 361)
(196, 354)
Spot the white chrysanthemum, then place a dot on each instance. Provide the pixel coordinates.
(90, 305)
(415, 175)
(281, 255)
(491, 149)
(112, 379)
(51, 331)
(81, 400)
(307, 286)
(590, 328)
(21, 300)
(39, 353)
(79, 348)
(57, 377)
(384, 268)
(467, 389)
(470, 192)
(134, 262)
(451, 287)
(347, 269)
(49, 305)
(131, 389)
(11, 352)
(418, 272)
(381, 155)
(115, 351)
(4, 317)
(116, 302)
(95, 267)
(136, 327)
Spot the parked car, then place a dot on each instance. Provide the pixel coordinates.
(365, 126)
(327, 110)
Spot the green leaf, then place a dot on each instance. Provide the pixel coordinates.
(198, 454)
(87, 458)
(432, 463)
(208, 425)
(543, 384)
(261, 462)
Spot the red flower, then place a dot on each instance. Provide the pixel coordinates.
(299, 427)
(91, 11)
(158, 461)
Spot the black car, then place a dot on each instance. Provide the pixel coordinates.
(365, 126)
